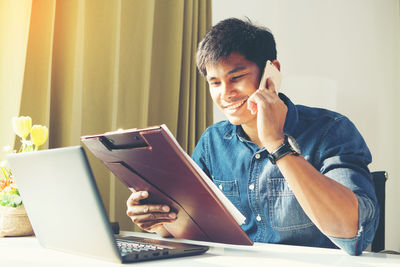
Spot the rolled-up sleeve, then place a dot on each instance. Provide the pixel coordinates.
(368, 214)
(345, 158)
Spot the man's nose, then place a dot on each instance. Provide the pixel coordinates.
(228, 91)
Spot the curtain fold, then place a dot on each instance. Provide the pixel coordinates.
(37, 75)
(87, 67)
(195, 102)
(14, 32)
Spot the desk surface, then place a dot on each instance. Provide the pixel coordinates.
(26, 251)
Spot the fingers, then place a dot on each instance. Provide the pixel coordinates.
(135, 197)
(271, 85)
(148, 216)
(270, 76)
(252, 105)
(153, 218)
(144, 209)
(151, 221)
(261, 96)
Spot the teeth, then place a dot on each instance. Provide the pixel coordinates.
(235, 105)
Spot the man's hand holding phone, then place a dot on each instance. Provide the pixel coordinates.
(270, 109)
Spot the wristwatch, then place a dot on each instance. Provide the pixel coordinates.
(289, 147)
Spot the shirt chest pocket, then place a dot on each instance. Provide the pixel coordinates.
(231, 191)
(284, 210)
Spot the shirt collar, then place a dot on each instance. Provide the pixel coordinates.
(292, 116)
(235, 130)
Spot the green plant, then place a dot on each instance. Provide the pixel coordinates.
(9, 194)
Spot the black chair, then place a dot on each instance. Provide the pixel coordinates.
(379, 178)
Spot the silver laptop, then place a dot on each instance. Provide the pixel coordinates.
(66, 212)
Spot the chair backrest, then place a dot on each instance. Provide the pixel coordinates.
(379, 178)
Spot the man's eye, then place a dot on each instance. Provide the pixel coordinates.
(235, 78)
(214, 83)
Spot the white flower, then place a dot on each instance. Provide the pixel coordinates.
(16, 199)
(22, 126)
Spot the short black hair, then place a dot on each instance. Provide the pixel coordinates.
(254, 42)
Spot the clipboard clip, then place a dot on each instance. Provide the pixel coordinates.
(121, 142)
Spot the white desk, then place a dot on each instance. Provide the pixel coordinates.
(26, 251)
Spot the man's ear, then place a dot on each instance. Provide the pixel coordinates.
(277, 64)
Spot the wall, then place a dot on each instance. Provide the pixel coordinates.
(342, 55)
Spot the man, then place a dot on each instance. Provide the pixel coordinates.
(298, 174)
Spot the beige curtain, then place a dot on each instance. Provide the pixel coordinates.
(87, 67)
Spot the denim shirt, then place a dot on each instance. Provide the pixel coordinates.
(328, 140)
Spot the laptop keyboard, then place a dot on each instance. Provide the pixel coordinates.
(127, 247)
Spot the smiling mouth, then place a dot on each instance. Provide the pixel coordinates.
(233, 106)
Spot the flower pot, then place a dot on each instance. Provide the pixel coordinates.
(14, 222)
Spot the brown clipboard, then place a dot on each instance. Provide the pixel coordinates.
(150, 159)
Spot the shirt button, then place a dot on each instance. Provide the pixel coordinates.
(251, 187)
(257, 156)
(220, 186)
(258, 218)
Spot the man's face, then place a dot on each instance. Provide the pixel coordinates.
(232, 81)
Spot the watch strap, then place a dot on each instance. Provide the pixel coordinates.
(281, 151)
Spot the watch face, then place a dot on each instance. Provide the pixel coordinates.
(294, 145)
